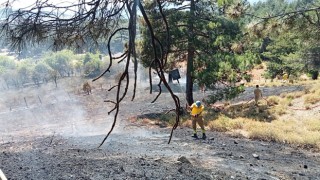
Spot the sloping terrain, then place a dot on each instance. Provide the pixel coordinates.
(58, 139)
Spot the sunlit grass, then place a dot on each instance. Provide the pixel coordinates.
(266, 121)
(295, 95)
(187, 123)
(281, 106)
(273, 100)
(311, 98)
(277, 82)
(312, 94)
(303, 133)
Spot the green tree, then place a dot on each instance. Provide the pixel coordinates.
(40, 72)
(208, 40)
(289, 32)
(7, 68)
(24, 72)
(6, 63)
(92, 65)
(283, 56)
(311, 56)
(60, 62)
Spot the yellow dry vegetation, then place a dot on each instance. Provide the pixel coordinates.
(302, 131)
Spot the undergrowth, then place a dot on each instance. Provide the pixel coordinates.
(303, 132)
(265, 122)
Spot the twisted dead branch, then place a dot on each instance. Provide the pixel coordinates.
(84, 23)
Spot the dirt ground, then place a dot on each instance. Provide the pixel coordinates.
(58, 139)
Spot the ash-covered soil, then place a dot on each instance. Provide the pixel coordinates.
(58, 139)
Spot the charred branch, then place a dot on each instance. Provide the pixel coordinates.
(84, 23)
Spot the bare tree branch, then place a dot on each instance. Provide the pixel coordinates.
(285, 14)
(85, 23)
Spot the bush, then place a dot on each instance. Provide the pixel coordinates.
(314, 74)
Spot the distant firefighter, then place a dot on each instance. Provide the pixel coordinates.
(87, 88)
(285, 77)
(257, 94)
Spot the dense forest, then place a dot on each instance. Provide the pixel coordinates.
(290, 42)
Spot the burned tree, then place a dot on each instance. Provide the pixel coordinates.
(86, 23)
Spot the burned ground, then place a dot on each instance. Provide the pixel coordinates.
(58, 139)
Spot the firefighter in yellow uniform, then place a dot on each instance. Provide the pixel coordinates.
(196, 114)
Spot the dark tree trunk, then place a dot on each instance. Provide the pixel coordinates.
(55, 81)
(7, 83)
(189, 78)
(266, 41)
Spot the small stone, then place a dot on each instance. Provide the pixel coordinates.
(235, 142)
(183, 159)
(256, 156)
(305, 166)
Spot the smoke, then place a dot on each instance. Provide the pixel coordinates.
(66, 110)
(44, 111)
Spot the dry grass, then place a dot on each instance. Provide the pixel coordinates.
(282, 107)
(273, 100)
(187, 123)
(223, 124)
(295, 95)
(312, 94)
(220, 124)
(304, 133)
(290, 132)
(311, 98)
(299, 131)
(146, 121)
